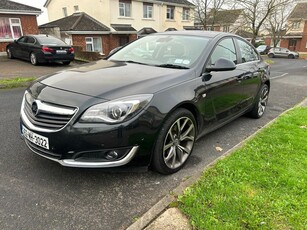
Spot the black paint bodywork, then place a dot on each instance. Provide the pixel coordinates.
(215, 98)
(24, 49)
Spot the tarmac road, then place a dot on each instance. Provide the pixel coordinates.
(36, 193)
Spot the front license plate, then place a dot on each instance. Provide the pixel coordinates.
(35, 138)
(61, 51)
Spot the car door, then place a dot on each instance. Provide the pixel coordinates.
(28, 47)
(277, 52)
(17, 47)
(223, 89)
(23, 48)
(253, 68)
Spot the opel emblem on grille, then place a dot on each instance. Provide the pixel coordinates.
(34, 108)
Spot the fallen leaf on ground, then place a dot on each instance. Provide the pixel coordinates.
(219, 149)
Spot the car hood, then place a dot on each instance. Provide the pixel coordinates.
(110, 80)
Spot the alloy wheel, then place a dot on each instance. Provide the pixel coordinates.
(9, 54)
(263, 100)
(179, 142)
(33, 59)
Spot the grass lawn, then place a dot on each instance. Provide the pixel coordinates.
(16, 82)
(263, 185)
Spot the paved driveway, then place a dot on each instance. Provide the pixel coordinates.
(11, 68)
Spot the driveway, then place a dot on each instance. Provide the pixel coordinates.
(11, 68)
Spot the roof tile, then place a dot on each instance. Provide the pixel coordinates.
(14, 6)
(77, 22)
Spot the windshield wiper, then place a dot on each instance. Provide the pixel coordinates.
(135, 62)
(173, 66)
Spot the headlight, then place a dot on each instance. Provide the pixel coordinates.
(117, 110)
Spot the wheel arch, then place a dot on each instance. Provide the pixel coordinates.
(190, 107)
(184, 105)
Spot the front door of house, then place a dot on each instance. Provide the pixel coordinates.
(292, 44)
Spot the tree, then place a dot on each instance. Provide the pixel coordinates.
(277, 22)
(257, 12)
(206, 10)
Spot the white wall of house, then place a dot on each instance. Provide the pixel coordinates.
(107, 12)
(98, 9)
(294, 28)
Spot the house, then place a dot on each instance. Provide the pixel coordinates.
(16, 20)
(142, 15)
(231, 21)
(296, 36)
(106, 24)
(222, 20)
(80, 29)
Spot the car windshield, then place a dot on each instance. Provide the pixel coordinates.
(50, 41)
(261, 47)
(168, 51)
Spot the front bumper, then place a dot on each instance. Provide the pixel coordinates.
(86, 164)
(90, 145)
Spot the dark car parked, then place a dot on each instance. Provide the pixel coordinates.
(147, 103)
(263, 49)
(41, 49)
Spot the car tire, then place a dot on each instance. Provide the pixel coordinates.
(9, 53)
(291, 56)
(33, 59)
(261, 102)
(66, 62)
(270, 55)
(175, 142)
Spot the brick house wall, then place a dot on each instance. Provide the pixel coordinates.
(303, 44)
(28, 24)
(109, 41)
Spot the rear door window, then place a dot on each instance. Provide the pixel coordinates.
(248, 53)
(31, 40)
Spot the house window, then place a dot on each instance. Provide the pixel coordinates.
(209, 28)
(124, 8)
(226, 28)
(296, 25)
(10, 28)
(123, 40)
(170, 11)
(147, 10)
(64, 11)
(186, 14)
(93, 44)
(76, 8)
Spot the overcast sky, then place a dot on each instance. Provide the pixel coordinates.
(43, 18)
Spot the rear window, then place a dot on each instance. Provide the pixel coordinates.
(51, 41)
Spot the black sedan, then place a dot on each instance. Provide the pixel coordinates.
(41, 49)
(147, 103)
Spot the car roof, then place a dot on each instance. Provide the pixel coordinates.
(200, 33)
(40, 35)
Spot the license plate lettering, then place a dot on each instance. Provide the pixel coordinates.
(35, 138)
(61, 51)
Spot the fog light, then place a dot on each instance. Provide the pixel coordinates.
(112, 155)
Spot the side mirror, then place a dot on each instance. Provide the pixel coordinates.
(222, 64)
(114, 50)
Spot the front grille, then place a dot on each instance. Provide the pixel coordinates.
(49, 116)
